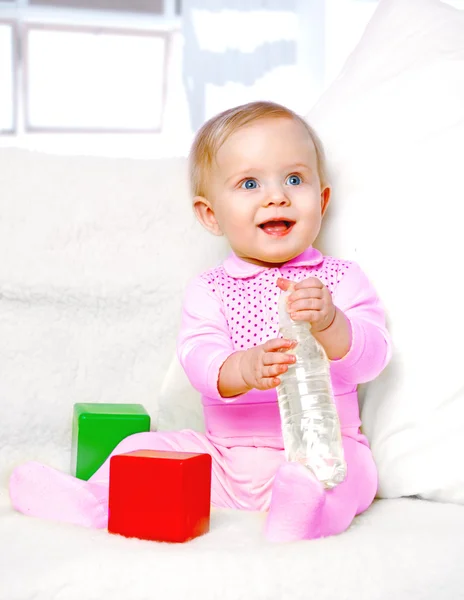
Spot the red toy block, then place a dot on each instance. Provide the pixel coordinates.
(162, 496)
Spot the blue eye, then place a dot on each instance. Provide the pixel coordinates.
(293, 180)
(250, 184)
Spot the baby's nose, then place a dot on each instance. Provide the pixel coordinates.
(277, 196)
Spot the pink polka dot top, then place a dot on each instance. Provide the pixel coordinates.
(235, 306)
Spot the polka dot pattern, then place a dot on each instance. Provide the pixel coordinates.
(251, 304)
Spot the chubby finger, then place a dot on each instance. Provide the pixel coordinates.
(268, 383)
(278, 358)
(310, 282)
(278, 344)
(306, 304)
(310, 316)
(274, 370)
(311, 292)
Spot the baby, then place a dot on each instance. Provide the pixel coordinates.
(258, 177)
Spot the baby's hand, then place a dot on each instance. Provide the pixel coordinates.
(261, 365)
(310, 301)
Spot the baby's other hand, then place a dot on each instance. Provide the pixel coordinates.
(261, 366)
(310, 301)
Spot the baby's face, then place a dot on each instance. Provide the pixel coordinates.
(265, 191)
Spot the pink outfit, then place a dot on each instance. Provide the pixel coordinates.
(234, 307)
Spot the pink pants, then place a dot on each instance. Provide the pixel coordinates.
(250, 477)
(242, 476)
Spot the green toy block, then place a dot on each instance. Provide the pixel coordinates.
(98, 429)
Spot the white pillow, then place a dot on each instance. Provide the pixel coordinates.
(393, 127)
(96, 254)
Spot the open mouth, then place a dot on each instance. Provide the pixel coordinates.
(277, 227)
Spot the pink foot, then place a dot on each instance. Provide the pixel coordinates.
(40, 491)
(296, 505)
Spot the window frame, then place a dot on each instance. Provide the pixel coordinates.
(27, 27)
(15, 65)
(59, 5)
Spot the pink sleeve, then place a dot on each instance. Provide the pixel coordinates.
(204, 342)
(370, 349)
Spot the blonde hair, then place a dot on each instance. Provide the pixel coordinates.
(217, 130)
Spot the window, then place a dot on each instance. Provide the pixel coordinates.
(153, 7)
(82, 66)
(288, 51)
(7, 78)
(135, 6)
(93, 80)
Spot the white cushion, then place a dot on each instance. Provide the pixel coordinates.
(393, 127)
(387, 554)
(97, 253)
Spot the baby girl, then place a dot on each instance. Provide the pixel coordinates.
(258, 177)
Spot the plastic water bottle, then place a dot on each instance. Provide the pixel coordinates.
(310, 423)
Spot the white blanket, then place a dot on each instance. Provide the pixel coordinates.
(89, 306)
(400, 549)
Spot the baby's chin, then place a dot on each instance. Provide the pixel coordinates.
(283, 255)
(269, 259)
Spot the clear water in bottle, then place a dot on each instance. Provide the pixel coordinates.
(310, 423)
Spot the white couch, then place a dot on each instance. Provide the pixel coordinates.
(95, 255)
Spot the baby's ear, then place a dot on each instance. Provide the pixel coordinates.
(325, 198)
(205, 214)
